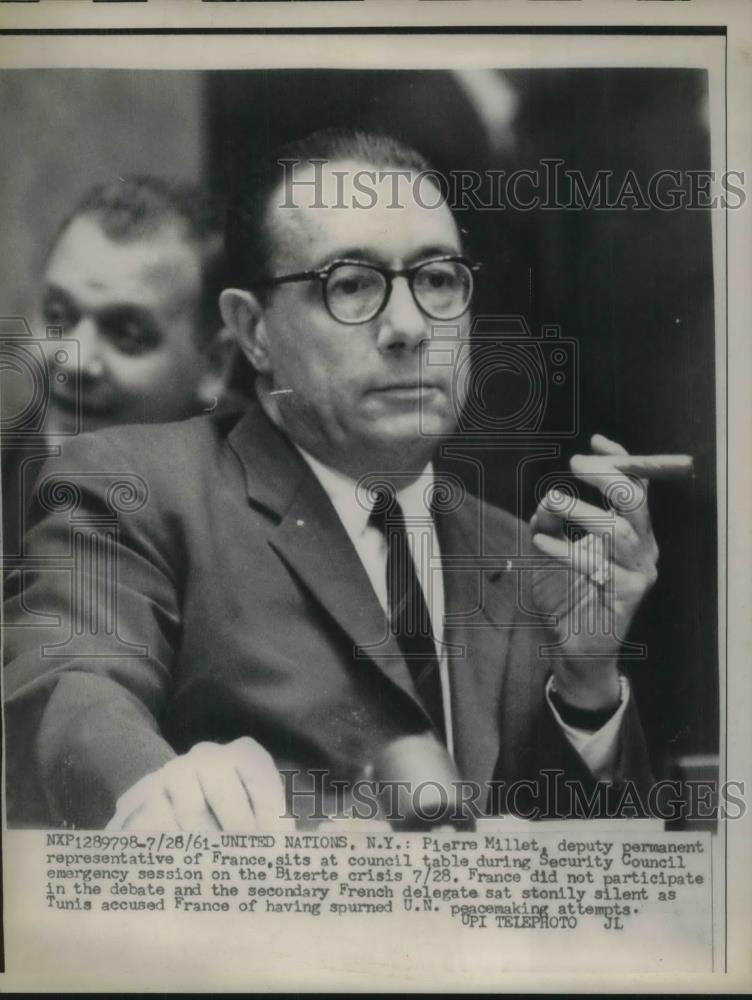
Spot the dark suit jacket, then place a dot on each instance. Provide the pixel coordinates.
(241, 608)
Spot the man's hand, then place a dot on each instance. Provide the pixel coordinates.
(610, 569)
(212, 787)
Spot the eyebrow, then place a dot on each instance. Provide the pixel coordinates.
(369, 255)
(110, 310)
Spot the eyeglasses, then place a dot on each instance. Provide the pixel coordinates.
(355, 292)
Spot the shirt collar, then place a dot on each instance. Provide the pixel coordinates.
(341, 490)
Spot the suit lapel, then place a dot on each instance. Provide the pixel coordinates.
(312, 541)
(478, 604)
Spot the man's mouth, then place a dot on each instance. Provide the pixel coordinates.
(406, 387)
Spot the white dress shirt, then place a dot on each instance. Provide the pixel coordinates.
(598, 749)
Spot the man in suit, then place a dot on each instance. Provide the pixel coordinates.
(299, 590)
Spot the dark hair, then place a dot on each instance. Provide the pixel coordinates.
(138, 207)
(247, 231)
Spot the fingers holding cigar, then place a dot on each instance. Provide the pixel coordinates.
(622, 480)
(610, 555)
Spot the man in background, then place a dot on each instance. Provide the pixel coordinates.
(132, 277)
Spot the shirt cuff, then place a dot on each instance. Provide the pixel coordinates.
(598, 749)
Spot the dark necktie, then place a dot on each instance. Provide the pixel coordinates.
(409, 618)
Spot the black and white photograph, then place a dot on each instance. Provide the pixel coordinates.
(364, 426)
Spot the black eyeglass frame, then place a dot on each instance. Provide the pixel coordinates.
(388, 274)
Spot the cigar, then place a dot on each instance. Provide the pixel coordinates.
(644, 466)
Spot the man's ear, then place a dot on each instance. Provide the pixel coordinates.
(243, 316)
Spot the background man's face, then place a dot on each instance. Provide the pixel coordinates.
(358, 395)
(131, 306)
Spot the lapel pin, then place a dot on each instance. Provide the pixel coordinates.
(496, 573)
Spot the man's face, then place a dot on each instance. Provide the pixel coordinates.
(131, 307)
(355, 395)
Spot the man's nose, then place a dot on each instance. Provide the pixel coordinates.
(403, 325)
(88, 360)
